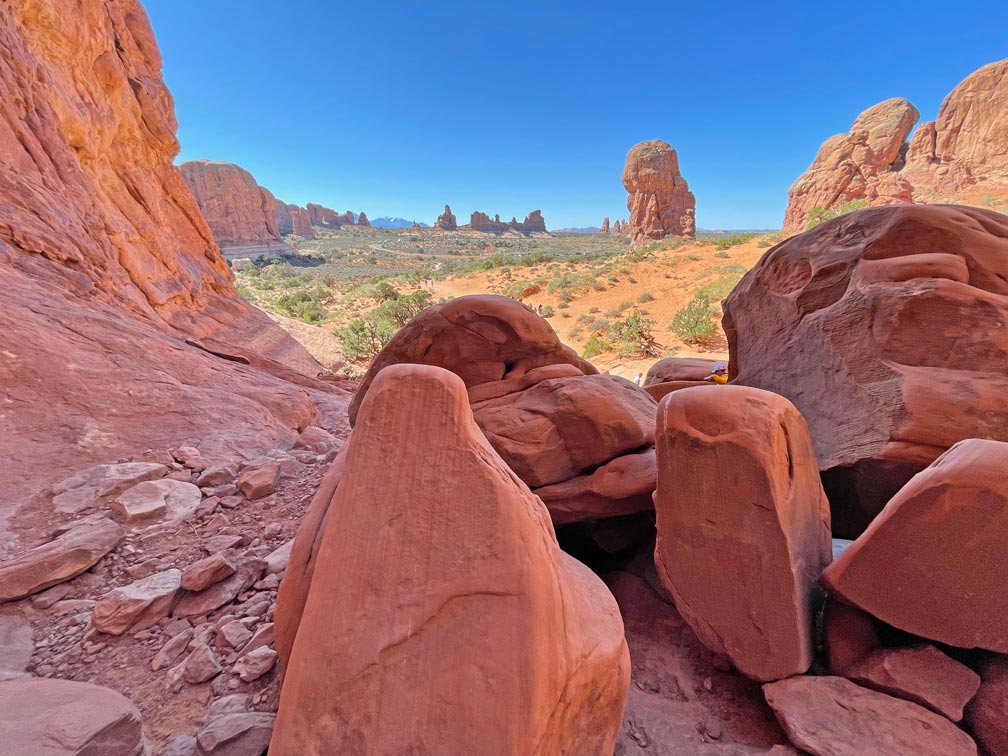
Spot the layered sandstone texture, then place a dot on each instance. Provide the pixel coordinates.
(241, 214)
(533, 223)
(118, 306)
(660, 202)
(960, 499)
(582, 441)
(743, 525)
(960, 157)
(441, 613)
(292, 219)
(887, 329)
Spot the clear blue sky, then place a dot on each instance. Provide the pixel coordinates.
(396, 108)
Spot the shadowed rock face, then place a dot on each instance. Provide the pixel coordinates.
(887, 329)
(961, 155)
(660, 201)
(441, 613)
(117, 301)
(240, 213)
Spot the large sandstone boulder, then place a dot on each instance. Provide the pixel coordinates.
(933, 562)
(563, 429)
(831, 716)
(64, 718)
(441, 613)
(962, 156)
(743, 525)
(103, 251)
(887, 329)
(241, 214)
(660, 201)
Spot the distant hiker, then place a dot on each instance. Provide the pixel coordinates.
(719, 374)
(637, 378)
(539, 311)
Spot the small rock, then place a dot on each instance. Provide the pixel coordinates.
(203, 602)
(255, 664)
(268, 583)
(207, 507)
(47, 598)
(190, 457)
(137, 605)
(259, 480)
(233, 634)
(97, 485)
(181, 745)
(273, 530)
(236, 703)
(216, 476)
(67, 556)
(172, 650)
(231, 502)
(239, 734)
(209, 571)
(315, 439)
(200, 665)
(155, 499)
(263, 637)
(16, 646)
(277, 560)
(183, 476)
(219, 543)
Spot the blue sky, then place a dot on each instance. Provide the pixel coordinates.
(396, 108)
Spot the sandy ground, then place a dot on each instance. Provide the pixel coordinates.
(671, 276)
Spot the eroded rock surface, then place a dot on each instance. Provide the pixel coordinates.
(493, 581)
(743, 524)
(888, 329)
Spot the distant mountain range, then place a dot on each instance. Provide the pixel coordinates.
(388, 222)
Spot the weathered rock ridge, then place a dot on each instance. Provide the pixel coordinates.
(962, 156)
(660, 202)
(241, 214)
(533, 223)
(122, 328)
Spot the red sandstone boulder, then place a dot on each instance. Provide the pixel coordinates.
(323, 216)
(660, 201)
(679, 369)
(441, 615)
(830, 716)
(933, 562)
(65, 718)
(985, 714)
(446, 221)
(619, 487)
(481, 338)
(922, 674)
(559, 428)
(743, 524)
(885, 397)
(138, 605)
(362, 220)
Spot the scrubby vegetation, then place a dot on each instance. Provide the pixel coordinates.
(631, 336)
(694, 323)
(819, 214)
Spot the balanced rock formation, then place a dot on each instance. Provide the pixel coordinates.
(923, 368)
(660, 201)
(743, 525)
(960, 157)
(362, 220)
(962, 498)
(500, 639)
(104, 251)
(241, 214)
(446, 221)
(582, 441)
(604, 228)
(831, 716)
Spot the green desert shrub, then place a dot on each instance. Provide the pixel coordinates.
(645, 297)
(364, 337)
(305, 304)
(694, 323)
(595, 346)
(819, 214)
